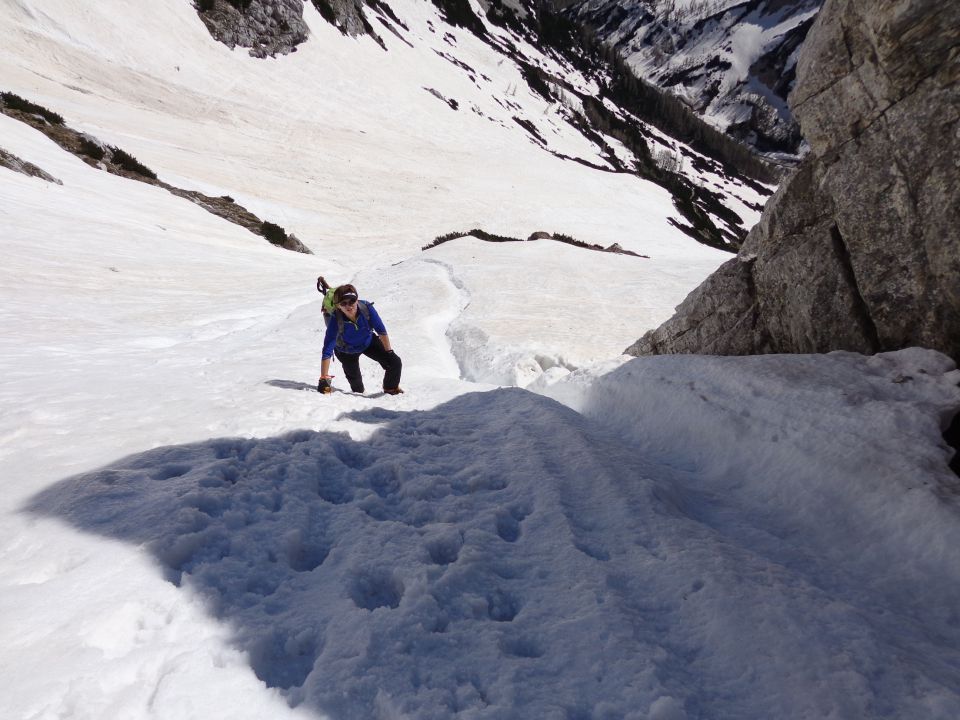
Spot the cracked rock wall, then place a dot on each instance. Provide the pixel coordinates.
(267, 27)
(275, 27)
(860, 248)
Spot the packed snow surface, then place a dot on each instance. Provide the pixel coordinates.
(539, 528)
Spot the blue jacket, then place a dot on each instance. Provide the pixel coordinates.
(357, 334)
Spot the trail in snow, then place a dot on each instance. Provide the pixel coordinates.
(455, 311)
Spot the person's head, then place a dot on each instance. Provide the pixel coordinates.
(345, 297)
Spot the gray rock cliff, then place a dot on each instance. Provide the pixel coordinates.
(267, 27)
(275, 27)
(860, 248)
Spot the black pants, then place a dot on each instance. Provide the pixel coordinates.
(389, 361)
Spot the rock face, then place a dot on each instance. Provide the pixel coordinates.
(860, 248)
(267, 27)
(275, 27)
(346, 15)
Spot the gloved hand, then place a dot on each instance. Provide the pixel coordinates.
(324, 385)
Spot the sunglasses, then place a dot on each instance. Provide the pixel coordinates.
(348, 302)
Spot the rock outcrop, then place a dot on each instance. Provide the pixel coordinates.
(860, 248)
(118, 162)
(347, 15)
(276, 27)
(267, 27)
(12, 162)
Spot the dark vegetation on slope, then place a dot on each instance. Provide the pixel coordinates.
(15, 102)
(129, 163)
(118, 162)
(92, 149)
(539, 235)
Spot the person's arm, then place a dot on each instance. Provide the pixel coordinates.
(329, 343)
(377, 324)
(324, 385)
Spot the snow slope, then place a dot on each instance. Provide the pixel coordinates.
(188, 531)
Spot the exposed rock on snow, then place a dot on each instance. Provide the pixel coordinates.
(12, 162)
(347, 15)
(276, 27)
(118, 162)
(267, 27)
(537, 235)
(860, 249)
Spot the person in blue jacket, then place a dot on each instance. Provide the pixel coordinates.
(356, 329)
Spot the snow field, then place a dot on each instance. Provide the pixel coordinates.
(346, 165)
(188, 531)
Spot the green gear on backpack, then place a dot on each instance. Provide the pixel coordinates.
(328, 304)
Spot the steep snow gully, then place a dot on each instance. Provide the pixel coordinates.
(502, 555)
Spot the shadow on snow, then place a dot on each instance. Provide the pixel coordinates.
(364, 578)
(501, 557)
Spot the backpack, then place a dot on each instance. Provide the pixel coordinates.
(328, 305)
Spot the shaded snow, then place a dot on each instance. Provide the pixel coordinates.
(702, 530)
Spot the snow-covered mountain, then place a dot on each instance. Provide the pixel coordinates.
(593, 97)
(732, 61)
(553, 96)
(539, 527)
